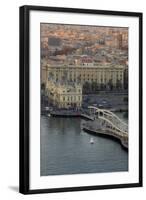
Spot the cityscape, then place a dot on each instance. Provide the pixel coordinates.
(84, 99)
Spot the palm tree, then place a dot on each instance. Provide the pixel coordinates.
(94, 86)
(118, 84)
(102, 86)
(86, 87)
(43, 86)
(110, 84)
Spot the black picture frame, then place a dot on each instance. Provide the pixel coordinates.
(24, 123)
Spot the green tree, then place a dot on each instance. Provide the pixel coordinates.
(94, 86)
(110, 84)
(43, 86)
(125, 99)
(102, 86)
(86, 88)
(118, 84)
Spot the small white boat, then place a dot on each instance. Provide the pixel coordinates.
(91, 141)
(49, 115)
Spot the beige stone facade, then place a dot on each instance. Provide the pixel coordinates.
(99, 73)
(64, 95)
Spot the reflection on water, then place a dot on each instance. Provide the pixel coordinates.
(66, 149)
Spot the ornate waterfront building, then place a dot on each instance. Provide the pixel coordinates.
(102, 73)
(64, 94)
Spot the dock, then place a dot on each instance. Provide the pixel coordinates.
(71, 114)
(104, 133)
(108, 124)
(99, 121)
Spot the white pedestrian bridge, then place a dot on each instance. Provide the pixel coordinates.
(107, 123)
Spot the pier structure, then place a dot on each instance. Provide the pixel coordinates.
(107, 123)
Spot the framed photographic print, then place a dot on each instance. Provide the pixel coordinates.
(80, 99)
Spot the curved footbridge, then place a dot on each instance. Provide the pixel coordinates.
(106, 123)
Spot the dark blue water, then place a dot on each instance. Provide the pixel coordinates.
(66, 149)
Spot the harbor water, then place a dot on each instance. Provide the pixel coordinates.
(66, 149)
